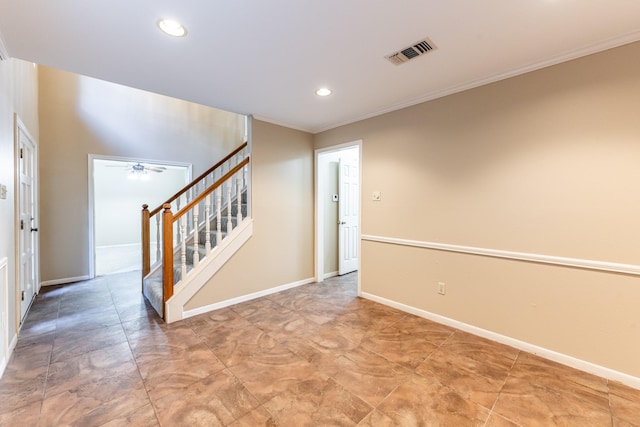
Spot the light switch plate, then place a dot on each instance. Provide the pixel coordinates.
(376, 196)
(3, 191)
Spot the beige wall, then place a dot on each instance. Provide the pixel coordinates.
(544, 163)
(18, 94)
(80, 116)
(281, 248)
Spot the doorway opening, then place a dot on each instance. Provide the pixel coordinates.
(338, 176)
(118, 188)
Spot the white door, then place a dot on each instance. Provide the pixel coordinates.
(27, 214)
(348, 201)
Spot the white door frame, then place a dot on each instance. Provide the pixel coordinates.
(92, 228)
(319, 212)
(19, 127)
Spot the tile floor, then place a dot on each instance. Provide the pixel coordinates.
(94, 354)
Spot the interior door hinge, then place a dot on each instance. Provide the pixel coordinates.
(21, 224)
(22, 295)
(22, 153)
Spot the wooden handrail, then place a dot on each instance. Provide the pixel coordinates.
(210, 190)
(199, 178)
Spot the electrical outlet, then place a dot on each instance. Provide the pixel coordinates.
(442, 288)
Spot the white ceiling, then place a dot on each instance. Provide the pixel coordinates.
(267, 58)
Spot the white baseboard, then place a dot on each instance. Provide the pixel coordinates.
(563, 359)
(330, 275)
(5, 362)
(63, 281)
(244, 298)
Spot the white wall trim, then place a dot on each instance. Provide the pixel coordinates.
(186, 289)
(588, 264)
(561, 358)
(64, 281)
(5, 353)
(244, 298)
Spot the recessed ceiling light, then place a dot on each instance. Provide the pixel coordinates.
(171, 27)
(323, 91)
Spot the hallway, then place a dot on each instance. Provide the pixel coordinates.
(94, 354)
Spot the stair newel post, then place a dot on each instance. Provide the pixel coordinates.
(207, 224)
(167, 249)
(229, 184)
(196, 215)
(183, 247)
(239, 195)
(146, 242)
(218, 216)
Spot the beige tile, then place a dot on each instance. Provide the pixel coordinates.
(317, 401)
(27, 415)
(21, 387)
(73, 342)
(234, 346)
(377, 419)
(425, 402)
(496, 420)
(94, 403)
(167, 368)
(100, 365)
(269, 373)
(369, 376)
(476, 380)
(215, 400)
(256, 418)
(530, 403)
(397, 346)
(141, 417)
(625, 403)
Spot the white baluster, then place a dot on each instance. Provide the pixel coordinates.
(183, 247)
(207, 224)
(178, 235)
(239, 196)
(229, 184)
(196, 253)
(158, 237)
(219, 216)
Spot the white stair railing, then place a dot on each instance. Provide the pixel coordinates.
(212, 193)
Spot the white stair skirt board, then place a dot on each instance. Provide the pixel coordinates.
(187, 288)
(564, 359)
(244, 298)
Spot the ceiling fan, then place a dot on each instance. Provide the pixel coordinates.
(139, 170)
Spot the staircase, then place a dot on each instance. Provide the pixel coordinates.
(197, 231)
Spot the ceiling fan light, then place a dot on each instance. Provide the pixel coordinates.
(172, 28)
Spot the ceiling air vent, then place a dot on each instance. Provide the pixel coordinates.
(413, 51)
